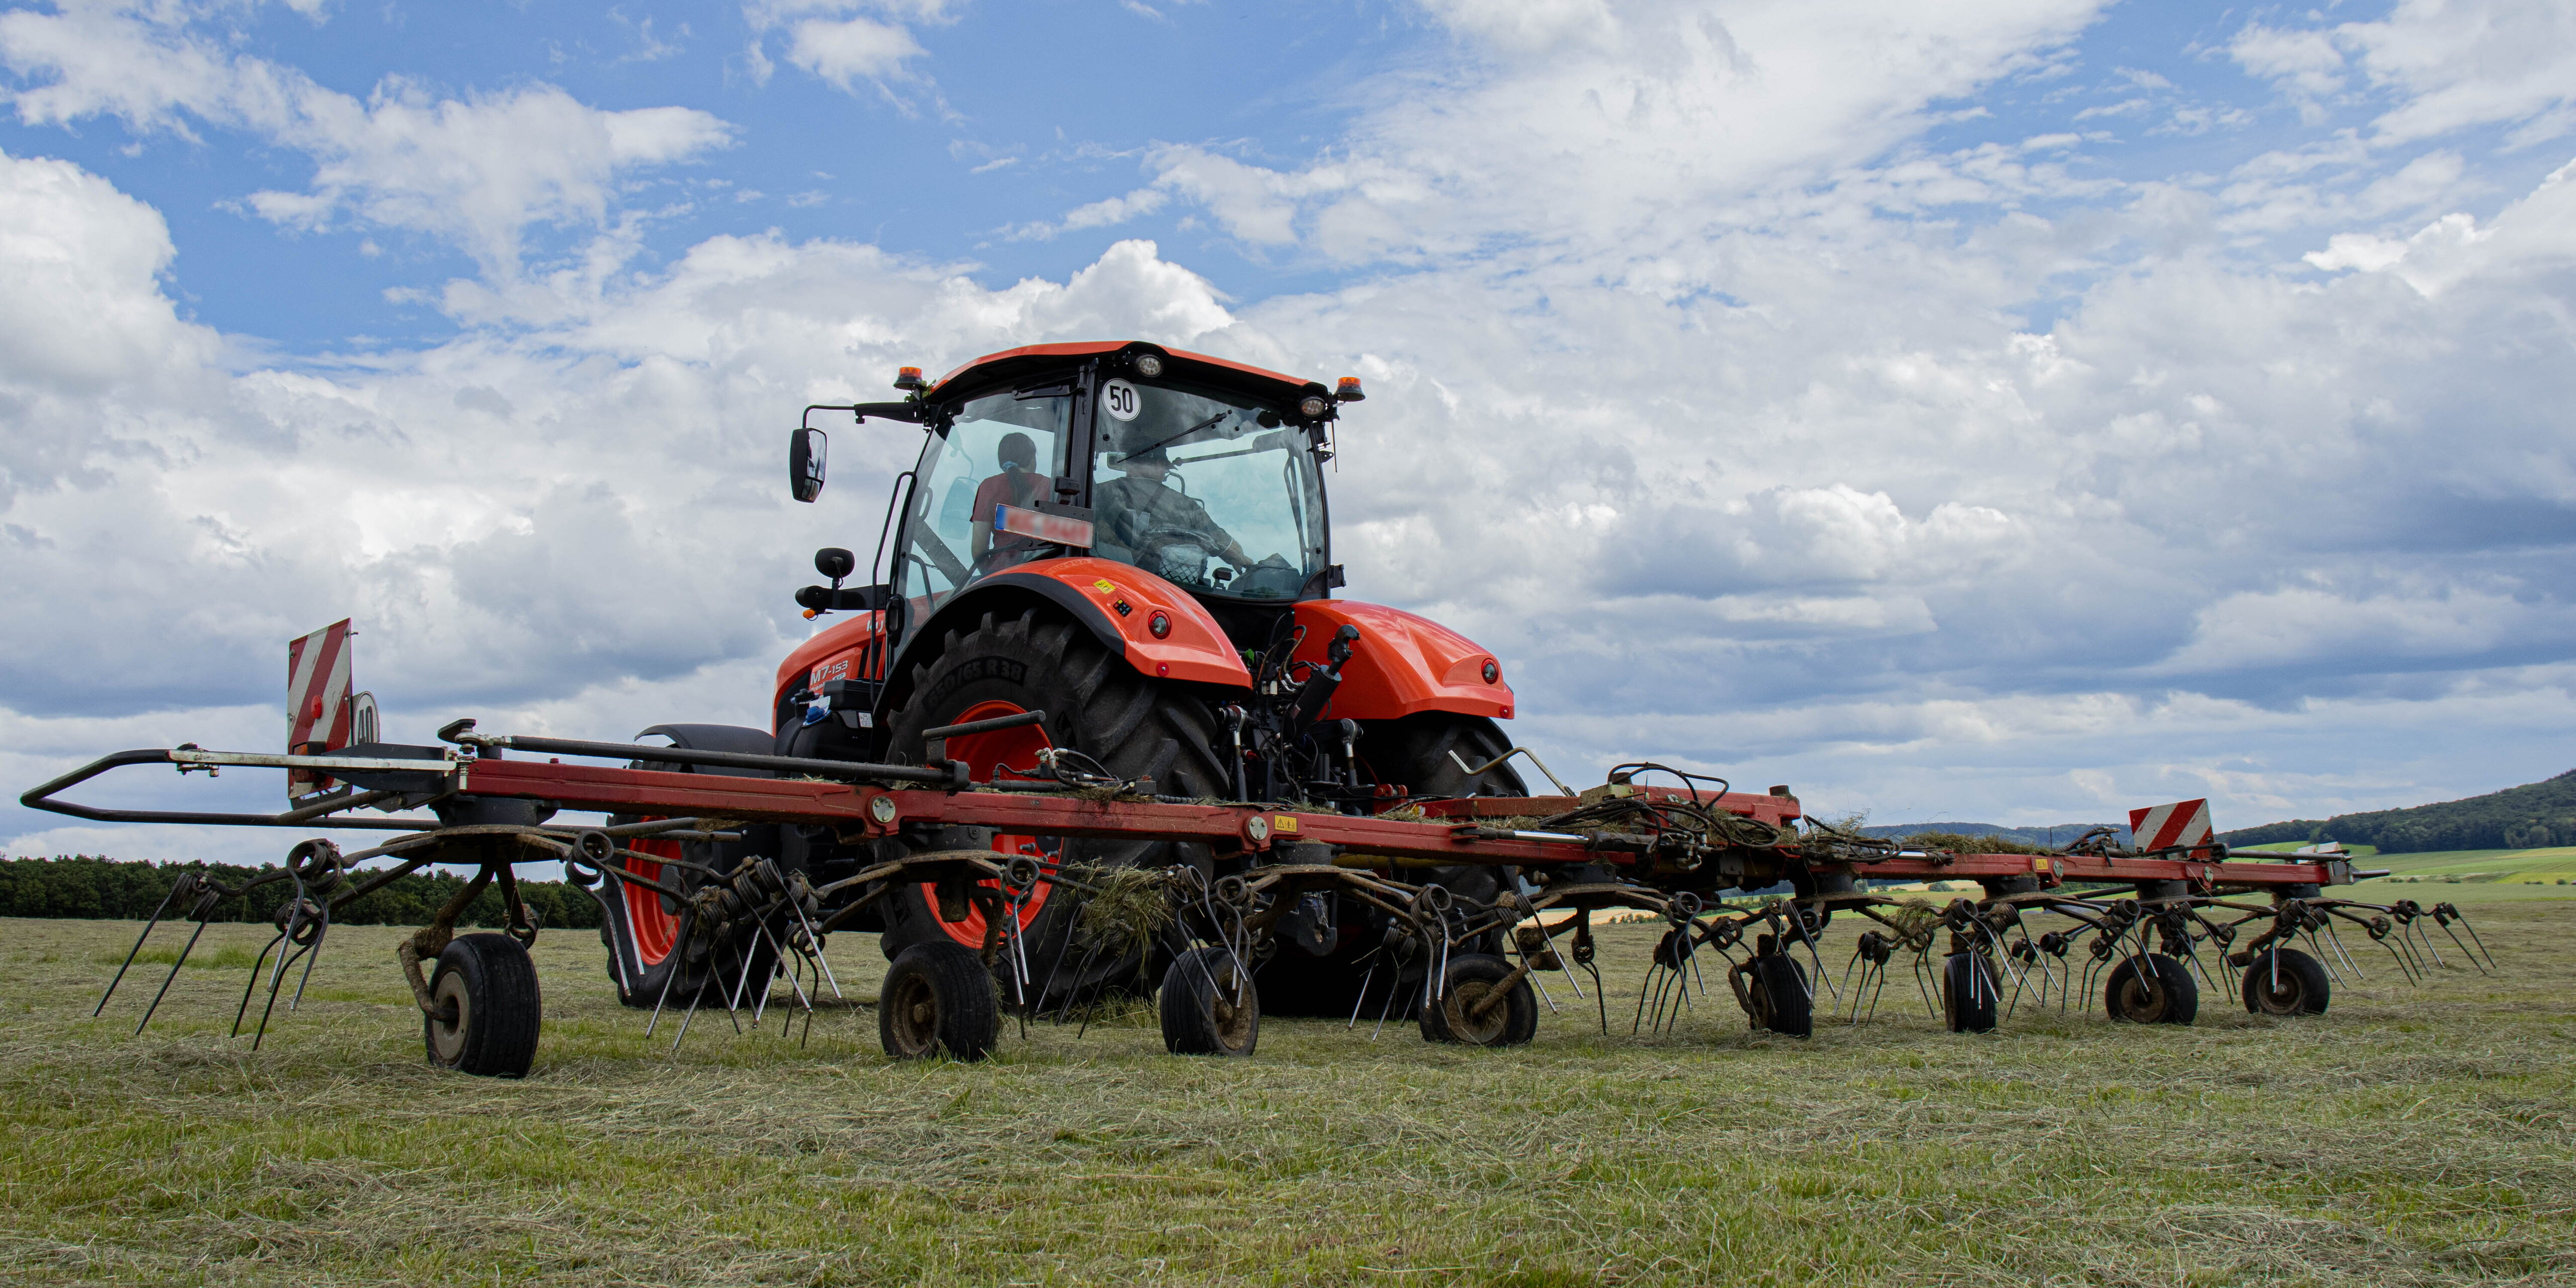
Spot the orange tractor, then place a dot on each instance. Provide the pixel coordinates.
(1111, 564)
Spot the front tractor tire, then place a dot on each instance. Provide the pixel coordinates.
(1097, 704)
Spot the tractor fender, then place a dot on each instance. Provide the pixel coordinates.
(1117, 602)
(1402, 664)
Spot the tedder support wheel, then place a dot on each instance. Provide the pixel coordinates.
(2158, 992)
(1210, 1006)
(2285, 981)
(1475, 1010)
(1970, 995)
(484, 1007)
(937, 997)
(1779, 996)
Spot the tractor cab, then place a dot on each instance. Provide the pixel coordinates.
(1203, 474)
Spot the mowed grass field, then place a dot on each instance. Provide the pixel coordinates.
(2549, 866)
(2410, 1136)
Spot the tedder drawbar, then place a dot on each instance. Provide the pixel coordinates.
(1103, 729)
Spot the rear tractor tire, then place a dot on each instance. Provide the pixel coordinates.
(484, 1007)
(1209, 1005)
(937, 998)
(648, 934)
(2285, 981)
(2161, 992)
(1474, 1009)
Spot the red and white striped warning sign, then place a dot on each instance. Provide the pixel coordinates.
(317, 701)
(2166, 826)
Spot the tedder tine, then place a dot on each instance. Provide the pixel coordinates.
(185, 879)
(243, 1012)
(313, 955)
(2463, 919)
(205, 906)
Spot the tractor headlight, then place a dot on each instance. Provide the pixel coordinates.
(1313, 405)
(1148, 365)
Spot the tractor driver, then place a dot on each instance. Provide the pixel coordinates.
(1016, 485)
(1144, 508)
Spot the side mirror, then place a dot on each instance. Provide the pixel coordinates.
(805, 451)
(835, 563)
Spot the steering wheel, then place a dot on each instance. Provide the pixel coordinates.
(1167, 552)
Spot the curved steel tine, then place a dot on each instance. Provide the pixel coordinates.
(2336, 938)
(283, 961)
(312, 955)
(2470, 957)
(243, 1012)
(669, 977)
(137, 950)
(166, 981)
(2474, 938)
(694, 1000)
(1362, 999)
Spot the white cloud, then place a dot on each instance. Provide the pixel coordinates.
(1699, 390)
(2449, 64)
(475, 171)
(846, 41)
(1572, 124)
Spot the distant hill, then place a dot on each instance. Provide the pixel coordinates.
(2518, 818)
(2058, 835)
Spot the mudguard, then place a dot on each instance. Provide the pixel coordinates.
(1117, 602)
(1402, 664)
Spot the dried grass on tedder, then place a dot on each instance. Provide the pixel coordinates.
(1098, 728)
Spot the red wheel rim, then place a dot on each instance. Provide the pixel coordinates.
(1015, 750)
(654, 928)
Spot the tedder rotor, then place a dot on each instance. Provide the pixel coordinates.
(1094, 723)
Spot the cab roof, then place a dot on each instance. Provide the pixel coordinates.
(1033, 359)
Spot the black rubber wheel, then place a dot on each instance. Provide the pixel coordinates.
(1971, 993)
(2160, 993)
(1096, 703)
(1469, 1012)
(2285, 981)
(1204, 1010)
(484, 1007)
(1777, 987)
(937, 997)
(646, 932)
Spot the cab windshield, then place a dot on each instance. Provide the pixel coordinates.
(1205, 490)
(1002, 450)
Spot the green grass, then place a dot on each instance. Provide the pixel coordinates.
(2411, 1136)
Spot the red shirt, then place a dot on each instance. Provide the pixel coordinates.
(998, 490)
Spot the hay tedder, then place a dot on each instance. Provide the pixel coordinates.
(1097, 728)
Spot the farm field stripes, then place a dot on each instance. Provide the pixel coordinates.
(2410, 1136)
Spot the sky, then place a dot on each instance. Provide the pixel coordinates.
(2016, 411)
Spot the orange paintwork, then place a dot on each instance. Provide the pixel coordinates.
(839, 644)
(1402, 664)
(1196, 650)
(1084, 348)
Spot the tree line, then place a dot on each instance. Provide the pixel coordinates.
(80, 885)
(2531, 816)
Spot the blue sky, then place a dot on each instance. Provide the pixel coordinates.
(2013, 411)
